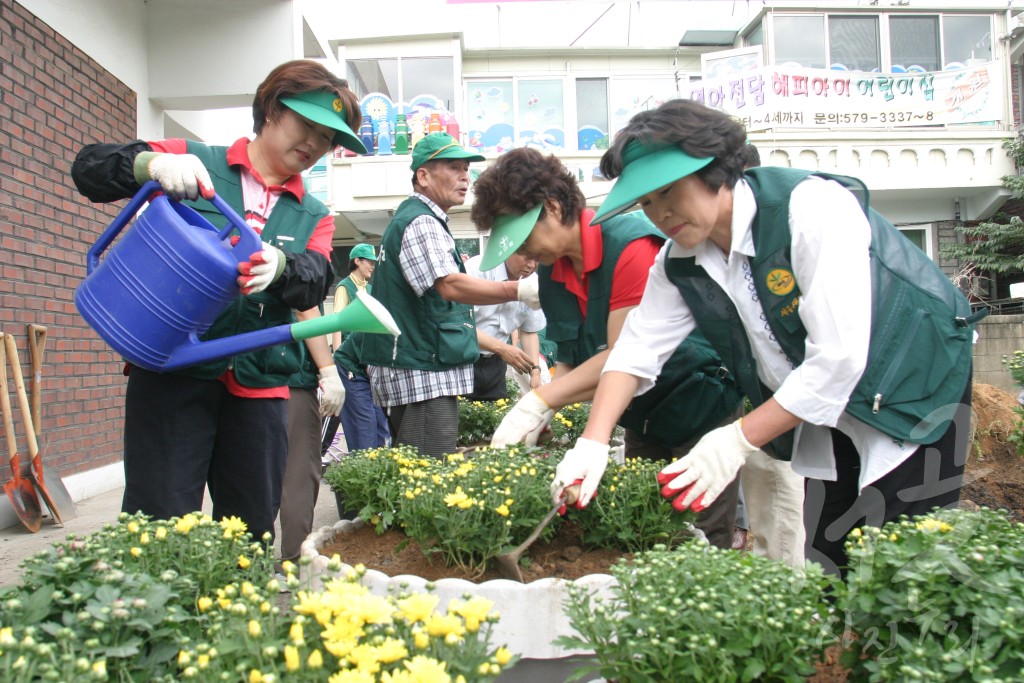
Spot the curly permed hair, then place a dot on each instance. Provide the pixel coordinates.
(698, 129)
(519, 180)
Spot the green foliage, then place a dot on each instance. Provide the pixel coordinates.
(369, 480)
(118, 604)
(1014, 364)
(569, 421)
(699, 613)
(97, 609)
(629, 512)
(995, 246)
(479, 419)
(469, 510)
(936, 598)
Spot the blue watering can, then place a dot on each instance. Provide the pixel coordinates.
(169, 277)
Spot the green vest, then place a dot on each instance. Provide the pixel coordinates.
(273, 366)
(351, 288)
(919, 357)
(436, 334)
(692, 394)
(348, 354)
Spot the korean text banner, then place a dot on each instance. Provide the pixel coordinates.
(795, 97)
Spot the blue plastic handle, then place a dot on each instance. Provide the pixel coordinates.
(248, 244)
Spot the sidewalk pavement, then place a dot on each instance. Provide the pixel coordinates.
(17, 543)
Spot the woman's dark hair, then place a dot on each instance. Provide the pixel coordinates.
(519, 180)
(698, 129)
(296, 77)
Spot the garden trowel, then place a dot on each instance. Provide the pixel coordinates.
(508, 563)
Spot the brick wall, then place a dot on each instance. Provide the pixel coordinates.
(54, 100)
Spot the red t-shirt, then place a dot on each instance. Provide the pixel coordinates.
(629, 277)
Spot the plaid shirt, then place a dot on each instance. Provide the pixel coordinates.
(427, 254)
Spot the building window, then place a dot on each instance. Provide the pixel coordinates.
(914, 43)
(403, 79)
(800, 40)
(966, 38)
(920, 236)
(635, 94)
(592, 113)
(541, 114)
(853, 43)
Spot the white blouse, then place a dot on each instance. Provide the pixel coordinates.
(830, 241)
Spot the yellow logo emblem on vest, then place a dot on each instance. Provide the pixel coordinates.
(780, 281)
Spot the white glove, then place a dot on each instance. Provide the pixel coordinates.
(524, 422)
(529, 291)
(585, 461)
(261, 270)
(333, 391)
(707, 469)
(180, 175)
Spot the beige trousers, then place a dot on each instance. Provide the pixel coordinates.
(774, 498)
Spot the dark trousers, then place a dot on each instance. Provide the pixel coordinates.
(183, 434)
(301, 485)
(716, 520)
(931, 477)
(489, 379)
(432, 426)
(363, 422)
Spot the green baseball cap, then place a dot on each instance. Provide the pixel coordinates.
(645, 169)
(440, 146)
(508, 232)
(363, 250)
(326, 108)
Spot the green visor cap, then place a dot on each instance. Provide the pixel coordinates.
(507, 234)
(363, 250)
(326, 109)
(440, 146)
(645, 169)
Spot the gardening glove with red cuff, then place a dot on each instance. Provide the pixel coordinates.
(524, 422)
(182, 176)
(261, 270)
(702, 474)
(585, 462)
(529, 291)
(332, 395)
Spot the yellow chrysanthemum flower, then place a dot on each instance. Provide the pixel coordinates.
(392, 650)
(428, 670)
(254, 628)
(934, 525)
(439, 625)
(243, 562)
(417, 607)
(502, 510)
(473, 611)
(296, 634)
(136, 552)
(351, 676)
(315, 660)
(233, 527)
(503, 656)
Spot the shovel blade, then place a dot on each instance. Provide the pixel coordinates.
(25, 503)
(53, 492)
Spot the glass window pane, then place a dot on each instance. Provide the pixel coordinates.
(491, 116)
(592, 113)
(916, 236)
(373, 75)
(428, 76)
(756, 36)
(914, 43)
(632, 95)
(800, 40)
(540, 115)
(853, 43)
(965, 38)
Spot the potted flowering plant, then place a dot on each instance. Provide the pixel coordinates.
(699, 613)
(192, 599)
(937, 597)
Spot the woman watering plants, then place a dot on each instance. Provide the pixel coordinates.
(591, 276)
(223, 424)
(852, 346)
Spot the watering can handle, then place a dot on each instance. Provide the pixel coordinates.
(249, 243)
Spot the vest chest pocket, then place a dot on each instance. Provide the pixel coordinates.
(456, 343)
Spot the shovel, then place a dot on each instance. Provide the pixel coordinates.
(36, 474)
(48, 479)
(21, 492)
(508, 563)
